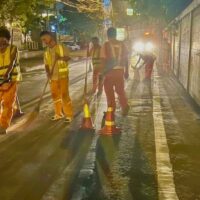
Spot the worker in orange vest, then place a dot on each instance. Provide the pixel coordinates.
(96, 62)
(9, 76)
(148, 62)
(114, 69)
(56, 60)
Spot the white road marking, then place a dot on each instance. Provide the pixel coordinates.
(166, 186)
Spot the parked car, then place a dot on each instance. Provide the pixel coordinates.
(72, 46)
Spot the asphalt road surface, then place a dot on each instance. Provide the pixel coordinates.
(156, 156)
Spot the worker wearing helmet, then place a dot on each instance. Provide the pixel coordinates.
(9, 76)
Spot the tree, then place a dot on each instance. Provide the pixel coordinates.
(20, 12)
(162, 10)
(76, 23)
(93, 8)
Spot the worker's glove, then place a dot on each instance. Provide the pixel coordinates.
(140, 66)
(101, 77)
(49, 76)
(7, 77)
(133, 67)
(57, 57)
(126, 75)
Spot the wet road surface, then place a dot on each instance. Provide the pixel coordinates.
(156, 156)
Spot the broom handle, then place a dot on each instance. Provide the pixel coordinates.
(17, 98)
(86, 74)
(46, 84)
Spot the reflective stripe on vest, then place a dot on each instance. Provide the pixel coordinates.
(118, 57)
(5, 59)
(62, 65)
(96, 57)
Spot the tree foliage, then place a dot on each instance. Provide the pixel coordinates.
(22, 13)
(164, 10)
(94, 8)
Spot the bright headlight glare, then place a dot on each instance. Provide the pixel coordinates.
(139, 47)
(149, 46)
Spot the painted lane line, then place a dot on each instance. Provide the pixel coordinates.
(166, 186)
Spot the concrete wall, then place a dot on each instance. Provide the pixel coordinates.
(176, 51)
(194, 86)
(30, 54)
(185, 49)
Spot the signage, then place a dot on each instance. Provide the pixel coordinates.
(129, 11)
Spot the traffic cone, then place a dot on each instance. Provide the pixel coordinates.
(109, 127)
(87, 123)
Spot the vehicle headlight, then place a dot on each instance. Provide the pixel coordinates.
(149, 46)
(139, 47)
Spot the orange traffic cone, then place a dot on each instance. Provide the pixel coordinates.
(87, 121)
(110, 127)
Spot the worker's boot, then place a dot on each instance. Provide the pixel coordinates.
(57, 117)
(2, 131)
(99, 93)
(125, 111)
(18, 114)
(68, 120)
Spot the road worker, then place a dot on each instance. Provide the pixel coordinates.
(148, 59)
(9, 76)
(114, 68)
(56, 60)
(96, 62)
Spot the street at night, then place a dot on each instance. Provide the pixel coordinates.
(54, 161)
(99, 100)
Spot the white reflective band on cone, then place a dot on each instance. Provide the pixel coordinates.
(108, 123)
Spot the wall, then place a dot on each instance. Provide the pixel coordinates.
(185, 48)
(194, 86)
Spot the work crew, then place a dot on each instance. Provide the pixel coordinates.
(148, 62)
(114, 68)
(9, 76)
(96, 62)
(56, 60)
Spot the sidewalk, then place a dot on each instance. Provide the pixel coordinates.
(31, 64)
(34, 60)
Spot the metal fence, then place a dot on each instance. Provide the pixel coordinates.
(185, 51)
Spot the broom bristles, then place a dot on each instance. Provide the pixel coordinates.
(27, 120)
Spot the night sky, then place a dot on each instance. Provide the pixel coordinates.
(177, 7)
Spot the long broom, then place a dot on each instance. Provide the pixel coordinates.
(86, 75)
(30, 117)
(17, 98)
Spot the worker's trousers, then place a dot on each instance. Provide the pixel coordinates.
(61, 98)
(114, 82)
(97, 84)
(148, 70)
(7, 101)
